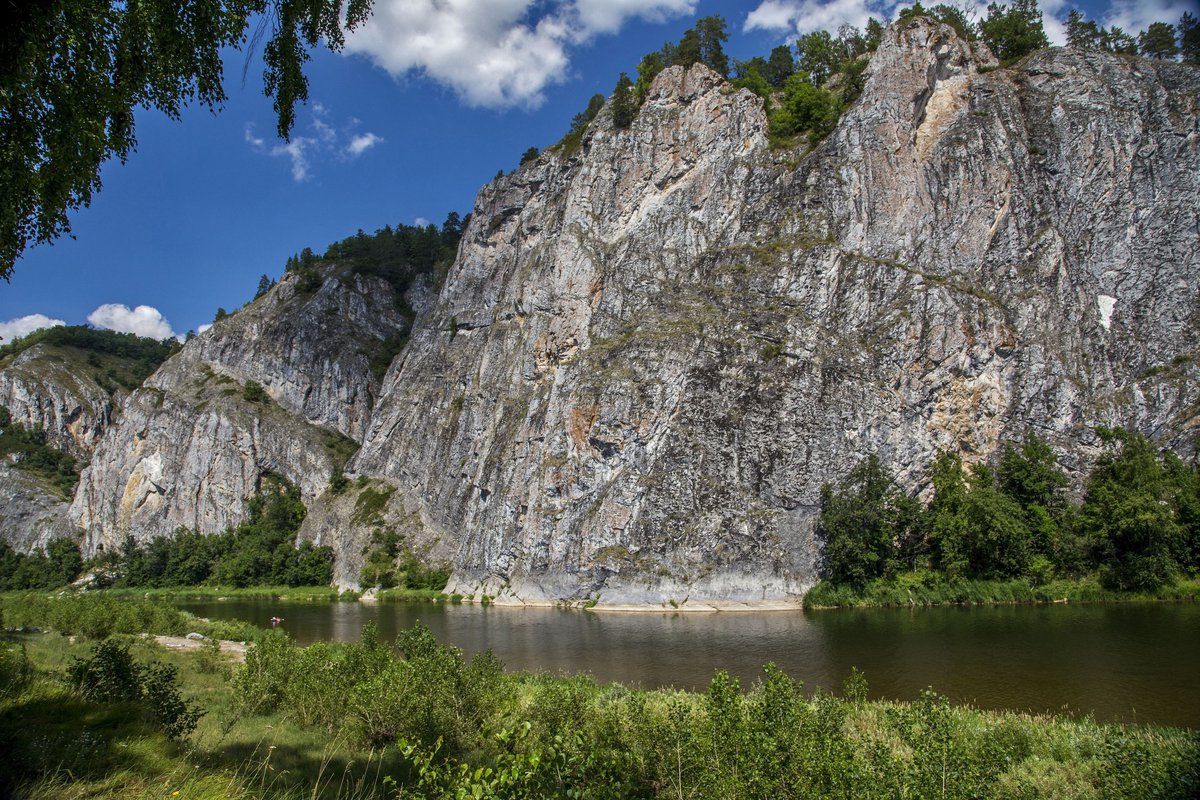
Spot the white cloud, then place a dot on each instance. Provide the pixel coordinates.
(420, 222)
(805, 16)
(203, 327)
(144, 320)
(793, 17)
(1135, 16)
(607, 16)
(296, 150)
(491, 52)
(325, 143)
(23, 326)
(359, 144)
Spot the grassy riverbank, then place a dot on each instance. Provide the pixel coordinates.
(369, 720)
(926, 588)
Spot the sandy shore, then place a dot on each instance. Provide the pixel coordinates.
(235, 650)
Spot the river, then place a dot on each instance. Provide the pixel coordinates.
(1121, 662)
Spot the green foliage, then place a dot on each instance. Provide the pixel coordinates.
(59, 565)
(779, 66)
(337, 481)
(98, 615)
(253, 392)
(386, 352)
(27, 450)
(874, 34)
(126, 346)
(951, 15)
(1130, 515)
(261, 551)
(110, 675)
(712, 35)
(819, 56)
(805, 109)
(1158, 41)
(370, 505)
(1189, 38)
(264, 286)
(530, 155)
(14, 669)
(1013, 32)
(310, 281)
(401, 255)
(648, 69)
(1011, 533)
(72, 74)
(624, 107)
(862, 522)
(579, 124)
(389, 561)
(379, 559)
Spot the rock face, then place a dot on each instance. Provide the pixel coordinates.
(49, 388)
(283, 386)
(31, 513)
(652, 353)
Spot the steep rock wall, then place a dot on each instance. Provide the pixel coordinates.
(194, 441)
(31, 513)
(652, 353)
(44, 387)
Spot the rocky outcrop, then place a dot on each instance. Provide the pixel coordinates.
(282, 387)
(53, 389)
(652, 353)
(31, 513)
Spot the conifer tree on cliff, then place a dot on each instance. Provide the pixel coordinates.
(1013, 31)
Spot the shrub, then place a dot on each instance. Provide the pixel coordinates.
(255, 393)
(14, 669)
(110, 675)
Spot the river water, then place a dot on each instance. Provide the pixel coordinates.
(1127, 662)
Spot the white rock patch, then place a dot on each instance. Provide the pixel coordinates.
(1105, 303)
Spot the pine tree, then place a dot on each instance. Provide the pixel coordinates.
(1189, 38)
(624, 105)
(1013, 32)
(712, 35)
(1158, 41)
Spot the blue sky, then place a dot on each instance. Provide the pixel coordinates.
(423, 107)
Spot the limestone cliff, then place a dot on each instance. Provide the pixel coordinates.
(53, 388)
(651, 353)
(56, 390)
(31, 512)
(283, 386)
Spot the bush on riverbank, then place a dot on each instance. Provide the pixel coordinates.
(1009, 533)
(99, 615)
(262, 551)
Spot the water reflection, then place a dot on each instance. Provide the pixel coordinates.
(1121, 662)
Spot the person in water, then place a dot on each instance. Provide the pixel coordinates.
(275, 621)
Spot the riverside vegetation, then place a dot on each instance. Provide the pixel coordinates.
(1010, 533)
(119, 718)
